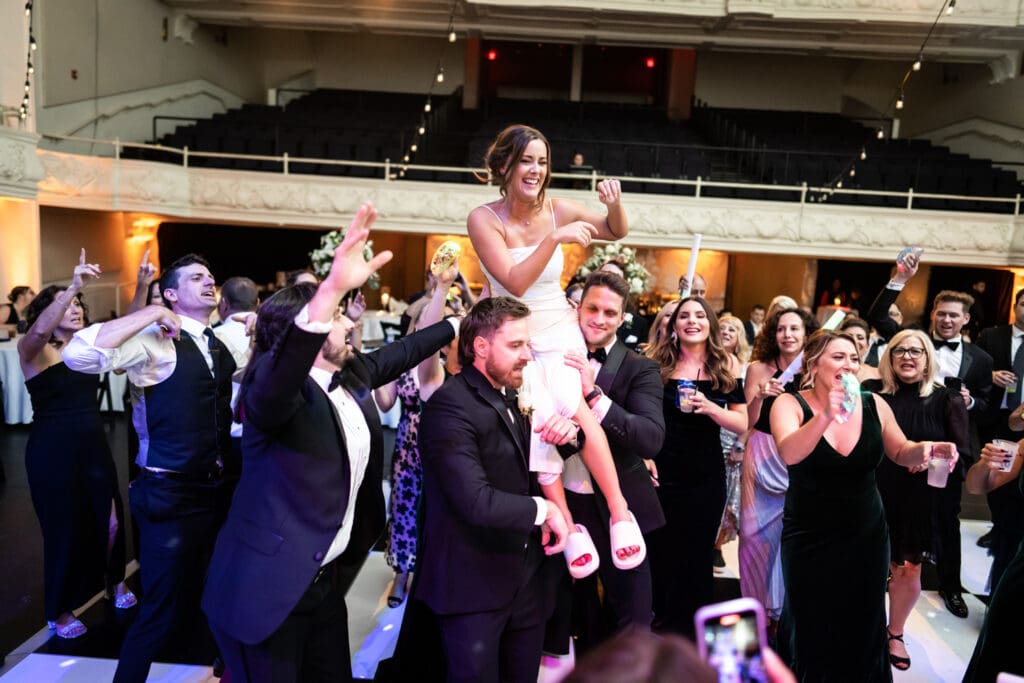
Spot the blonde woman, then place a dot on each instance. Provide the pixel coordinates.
(734, 341)
(834, 531)
(924, 410)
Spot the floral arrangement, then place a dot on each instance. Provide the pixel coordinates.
(636, 275)
(323, 257)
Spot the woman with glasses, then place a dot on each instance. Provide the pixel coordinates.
(925, 411)
(703, 394)
(764, 479)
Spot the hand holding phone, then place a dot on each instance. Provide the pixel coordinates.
(731, 636)
(953, 383)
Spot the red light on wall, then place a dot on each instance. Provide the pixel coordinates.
(492, 55)
(649, 62)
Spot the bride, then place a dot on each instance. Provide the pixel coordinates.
(518, 239)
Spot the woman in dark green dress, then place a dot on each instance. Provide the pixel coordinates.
(834, 536)
(998, 647)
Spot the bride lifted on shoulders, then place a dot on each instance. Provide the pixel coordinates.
(518, 239)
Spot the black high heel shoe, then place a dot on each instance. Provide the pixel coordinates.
(901, 663)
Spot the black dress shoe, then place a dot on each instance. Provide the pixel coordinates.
(954, 603)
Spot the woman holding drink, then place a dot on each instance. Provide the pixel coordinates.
(998, 646)
(832, 437)
(924, 410)
(703, 394)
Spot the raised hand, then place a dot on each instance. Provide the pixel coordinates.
(147, 271)
(609, 191)
(84, 270)
(356, 307)
(349, 269)
(579, 232)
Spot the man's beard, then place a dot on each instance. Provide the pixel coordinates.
(504, 379)
(339, 355)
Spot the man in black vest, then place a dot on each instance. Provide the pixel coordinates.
(183, 420)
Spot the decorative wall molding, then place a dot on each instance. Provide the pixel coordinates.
(814, 230)
(20, 170)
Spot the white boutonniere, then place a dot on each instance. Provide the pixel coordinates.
(525, 399)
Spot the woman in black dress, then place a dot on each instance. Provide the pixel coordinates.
(833, 530)
(998, 646)
(925, 411)
(690, 466)
(71, 473)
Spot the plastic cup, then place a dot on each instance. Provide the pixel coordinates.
(685, 389)
(938, 472)
(1008, 447)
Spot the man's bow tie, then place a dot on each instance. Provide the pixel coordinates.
(337, 380)
(600, 355)
(939, 343)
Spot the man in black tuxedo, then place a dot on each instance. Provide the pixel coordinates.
(483, 570)
(972, 366)
(624, 391)
(1005, 343)
(308, 506)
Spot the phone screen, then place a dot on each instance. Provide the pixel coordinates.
(733, 647)
(953, 383)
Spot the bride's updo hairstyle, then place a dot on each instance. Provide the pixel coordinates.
(506, 151)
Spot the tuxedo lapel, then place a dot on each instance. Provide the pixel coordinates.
(966, 362)
(339, 430)
(610, 367)
(516, 426)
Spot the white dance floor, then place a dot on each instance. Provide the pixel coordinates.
(939, 644)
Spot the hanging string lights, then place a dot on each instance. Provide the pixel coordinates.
(29, 69)
(896, 104)
(421, 128)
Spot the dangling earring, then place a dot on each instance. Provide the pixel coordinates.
(674, 338)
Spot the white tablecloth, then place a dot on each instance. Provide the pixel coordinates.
(18, 406)
(373, 331)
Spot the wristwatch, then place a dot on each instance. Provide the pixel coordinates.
(593, 394)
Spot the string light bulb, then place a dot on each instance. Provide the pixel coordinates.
(452, 37)
(839, 184)
(951, 6)
(440, 75)
(853, 171)
(426, 107)
(916, 66)
(32, 42)
(422, 129)
(413, 147)
(880, 134)
(406, 158)
(28, 86)
(863, 154)
(28, 9)
(31, 69)
(899, 101)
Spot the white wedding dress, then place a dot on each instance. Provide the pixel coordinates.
(554, 387)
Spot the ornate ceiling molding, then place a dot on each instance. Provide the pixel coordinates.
(814, 230)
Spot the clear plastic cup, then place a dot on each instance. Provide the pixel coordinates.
(685, 389)
(938, 472)
(1008, 447)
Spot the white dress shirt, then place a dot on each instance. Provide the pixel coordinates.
(576, 477)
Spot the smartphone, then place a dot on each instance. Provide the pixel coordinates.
(730, 636)
(953, 384)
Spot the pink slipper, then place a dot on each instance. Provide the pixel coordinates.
(579, 545)
(623, 535)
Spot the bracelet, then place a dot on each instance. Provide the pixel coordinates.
(593, 394)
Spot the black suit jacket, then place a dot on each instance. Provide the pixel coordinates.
(997, 342)
(635, 427)
(295, 482)
(480, 544)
